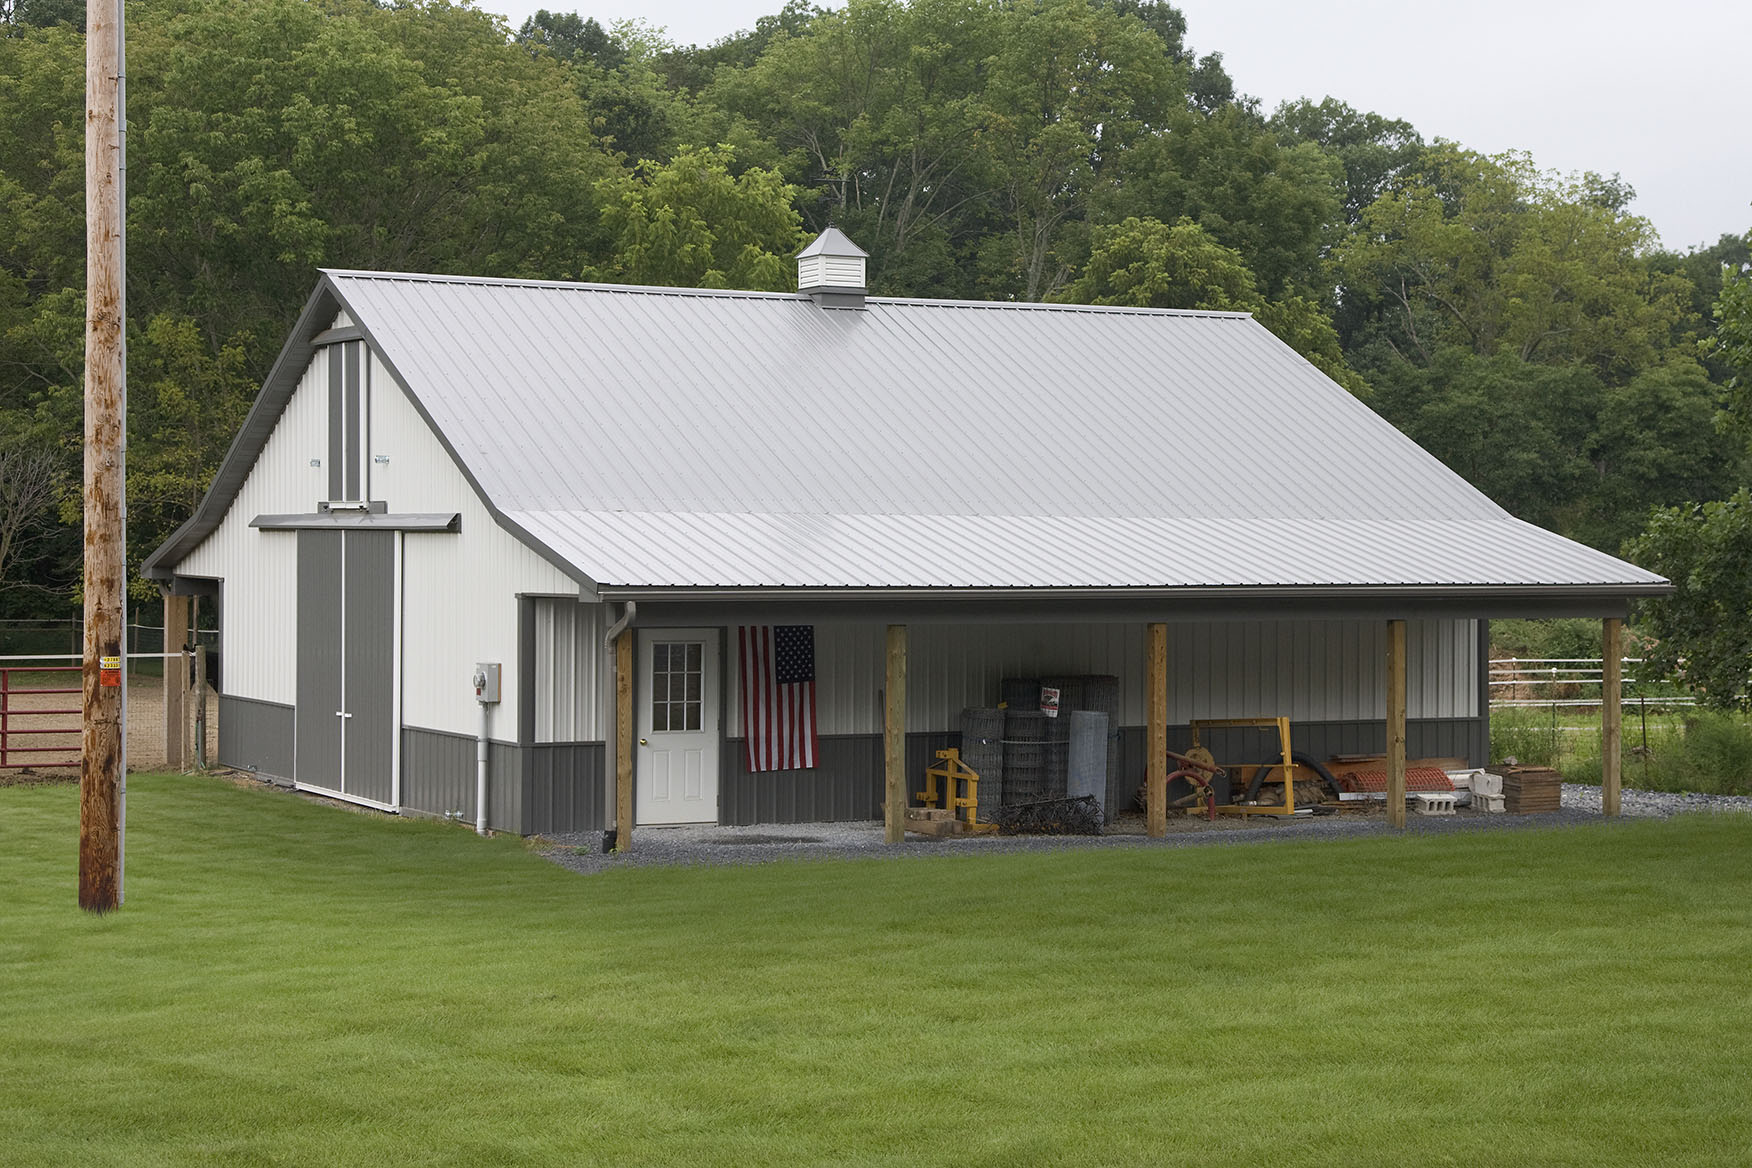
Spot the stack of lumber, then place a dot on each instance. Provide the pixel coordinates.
(1530, 789)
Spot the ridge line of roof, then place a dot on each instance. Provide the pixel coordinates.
(754, 294)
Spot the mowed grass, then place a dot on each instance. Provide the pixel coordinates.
(292, 984)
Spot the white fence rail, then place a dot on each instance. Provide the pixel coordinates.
(1552, 683)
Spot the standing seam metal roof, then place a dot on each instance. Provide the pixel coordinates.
(658, 437)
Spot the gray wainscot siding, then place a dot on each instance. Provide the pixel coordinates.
(849, 785)
(256, 736)
(550, 787)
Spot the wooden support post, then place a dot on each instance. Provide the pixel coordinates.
(1156, 734)
(894, 738)
(623, 741)
(103, 741)
(1396, 723)
(176, 681)
(1611, 712)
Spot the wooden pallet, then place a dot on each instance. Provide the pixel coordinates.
(1528, 790)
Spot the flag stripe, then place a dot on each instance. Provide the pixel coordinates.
(778, 718)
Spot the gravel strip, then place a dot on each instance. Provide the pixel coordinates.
(708, 845)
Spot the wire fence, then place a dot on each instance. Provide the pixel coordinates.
(61, 640)
(1557, 683)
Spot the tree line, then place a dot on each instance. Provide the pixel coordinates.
(1523, 326)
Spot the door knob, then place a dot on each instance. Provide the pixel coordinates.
(642, 742)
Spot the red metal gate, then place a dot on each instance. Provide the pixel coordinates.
(38, 716)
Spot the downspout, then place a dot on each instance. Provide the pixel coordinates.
(629, 612)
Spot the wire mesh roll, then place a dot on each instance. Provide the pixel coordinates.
(1020, 693)
(1024, 755)
(1101, 693)
(1056, 755)
(1072, 692)
(982, 748)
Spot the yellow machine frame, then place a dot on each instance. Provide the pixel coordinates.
(1288, 807)
(951, 770)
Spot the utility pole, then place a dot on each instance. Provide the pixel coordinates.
(102, 794)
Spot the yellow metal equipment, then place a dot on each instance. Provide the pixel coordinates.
(1288, 807)
(952, 770)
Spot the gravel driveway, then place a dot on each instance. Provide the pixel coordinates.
(710, 844)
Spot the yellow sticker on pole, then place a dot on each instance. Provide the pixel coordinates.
(109, 671)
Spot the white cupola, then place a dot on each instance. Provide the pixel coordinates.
(831, 270)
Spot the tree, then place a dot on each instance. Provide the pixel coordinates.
(876, 112)
(1654, 443)
(691, 223)
(1518, 432)
(1703, 632)
(1071, 88)
(1490, 254)
(1374, 150)
(31, 482)
(1732, 343)
(1149, 264)
(1279, 206)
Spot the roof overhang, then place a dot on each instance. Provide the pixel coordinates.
(339, 520)
(684, 606)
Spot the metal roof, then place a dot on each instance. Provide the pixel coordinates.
(832, 242)
(668, 438)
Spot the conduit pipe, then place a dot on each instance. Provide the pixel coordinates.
(481, 771)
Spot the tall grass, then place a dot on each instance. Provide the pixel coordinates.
(1702, 750)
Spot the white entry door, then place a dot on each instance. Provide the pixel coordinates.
(677, 753)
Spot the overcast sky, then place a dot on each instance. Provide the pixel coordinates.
(1657, 92)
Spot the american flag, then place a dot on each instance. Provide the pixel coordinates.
(778, 695)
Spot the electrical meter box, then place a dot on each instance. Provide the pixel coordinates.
(486, 681)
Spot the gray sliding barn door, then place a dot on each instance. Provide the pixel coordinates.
(346, 663)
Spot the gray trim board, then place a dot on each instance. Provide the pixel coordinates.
(338, 336)
(336, 419)
(352, 423)
(256, 736)
(950, 606)
(440, 522)
(190, 586)
(1481, 754)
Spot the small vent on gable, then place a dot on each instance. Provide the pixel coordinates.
(831, 270)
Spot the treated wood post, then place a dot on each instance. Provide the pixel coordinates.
(176, 680)
(103, 761)
(1156, 734)
(1611, 712)
(894, 739)
(623, 741)
(1396, 723)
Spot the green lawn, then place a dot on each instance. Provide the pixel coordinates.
(291, 984)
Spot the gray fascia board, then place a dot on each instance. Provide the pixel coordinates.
(585, 584)
(679, 607)
(444, 522)
(251, 437)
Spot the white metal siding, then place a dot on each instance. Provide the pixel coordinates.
(258, 610)
(1314, 671)
(460, 591)
(568, 670)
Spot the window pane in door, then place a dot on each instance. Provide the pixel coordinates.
(677, 685)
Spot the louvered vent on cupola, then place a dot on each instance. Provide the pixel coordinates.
(831, 270)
